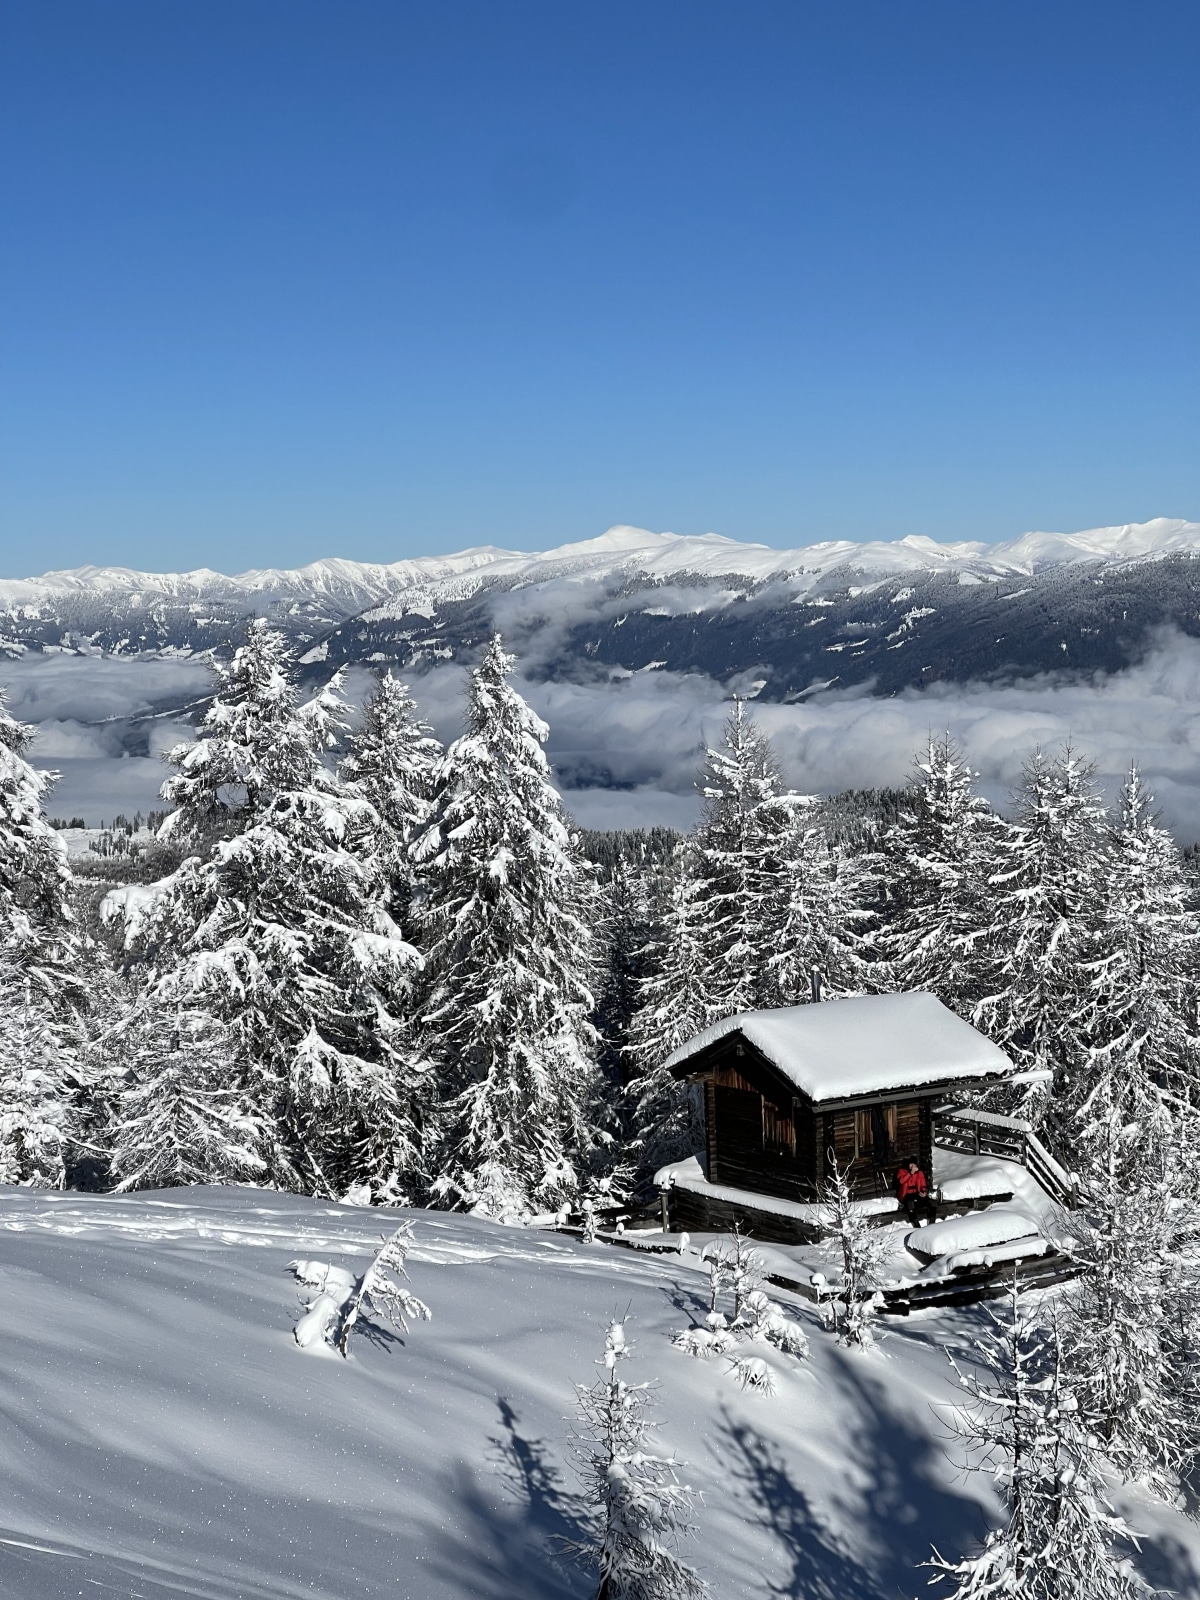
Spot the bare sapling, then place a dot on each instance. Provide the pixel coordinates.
(381, 1291)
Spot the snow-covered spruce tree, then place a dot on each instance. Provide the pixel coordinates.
(740, 863)
(1134, 1137)
(744, 1269)
(36, 924)
(95, 1068)
(178, 1118)
(281, 930)
(1132, 1235)
(332, 1314)
(764, 1321)
(1141, 1000)
(38, 930)
(664, 1116)
(506, 920)
(391, 759)
(1026, 1427)
(823, 917)
(936, 861)
(756, 1317)
(640, 1507)
(35, 1096)
(858, 1250)
(1049, 889)
(254, 744)
(714, 1338)
(627, 939)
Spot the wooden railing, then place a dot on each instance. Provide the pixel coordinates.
(988, 1133)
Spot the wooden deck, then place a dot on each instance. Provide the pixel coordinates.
(696, 1209)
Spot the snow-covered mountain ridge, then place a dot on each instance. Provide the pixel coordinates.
(358, 585)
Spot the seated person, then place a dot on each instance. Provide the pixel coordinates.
(912, 1188)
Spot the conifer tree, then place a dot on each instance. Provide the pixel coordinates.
(627, 937)
(1049, 887)
(35, 1095)
(859, 1250)
(380, 1289)
(1026, 1426)
(821, 922)
(332, 1315)
(254, 742)
(37, 925)
(391, 759)
(640, 1508)
(936, 861)
(1141, 999)
(178, 1120)
(673, 1006)
(280, 929)
(1131, 1315)
(50, 965)
(740, 856)
(506, 924)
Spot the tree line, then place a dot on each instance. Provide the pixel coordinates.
(370, 962)
(371, 967)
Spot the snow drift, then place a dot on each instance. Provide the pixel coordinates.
(166, 1437)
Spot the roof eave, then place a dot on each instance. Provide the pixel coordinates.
(688, 1070)
(908, 1091)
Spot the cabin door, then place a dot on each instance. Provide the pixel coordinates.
(739, 1120)
(875, 1134)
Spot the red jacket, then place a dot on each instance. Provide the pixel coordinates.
(910, 1183)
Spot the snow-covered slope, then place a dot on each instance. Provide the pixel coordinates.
(357, 585)
(164, 1436)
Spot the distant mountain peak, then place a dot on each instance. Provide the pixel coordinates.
(358, 585)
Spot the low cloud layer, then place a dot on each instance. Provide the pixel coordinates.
(90, 688)
(626, 752)
(647, 733)
(97, 725)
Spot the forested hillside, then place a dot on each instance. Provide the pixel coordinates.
(361, 966)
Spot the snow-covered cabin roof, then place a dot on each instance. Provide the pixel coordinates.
(866, 1045)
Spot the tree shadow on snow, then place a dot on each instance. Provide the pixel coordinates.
(509, 1550)
(1167, 1566)
(908, 1500)
(820, 1570)
(375, 1333)
(899, 1509)
(691, 1304)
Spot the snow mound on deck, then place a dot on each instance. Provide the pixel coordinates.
(976, 1231)
(993, 1255)
(866, 1044)
(982, 1177)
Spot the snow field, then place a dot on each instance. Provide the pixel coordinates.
(165, 1436)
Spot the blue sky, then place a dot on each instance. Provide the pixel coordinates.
(281, 280)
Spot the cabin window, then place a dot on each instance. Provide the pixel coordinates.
(779, 1131)
(875, 1133)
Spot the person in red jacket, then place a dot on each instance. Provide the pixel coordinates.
(912, 1188)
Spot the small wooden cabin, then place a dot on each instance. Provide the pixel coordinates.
(854, 1080)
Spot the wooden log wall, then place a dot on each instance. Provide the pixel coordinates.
(762, 1138)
